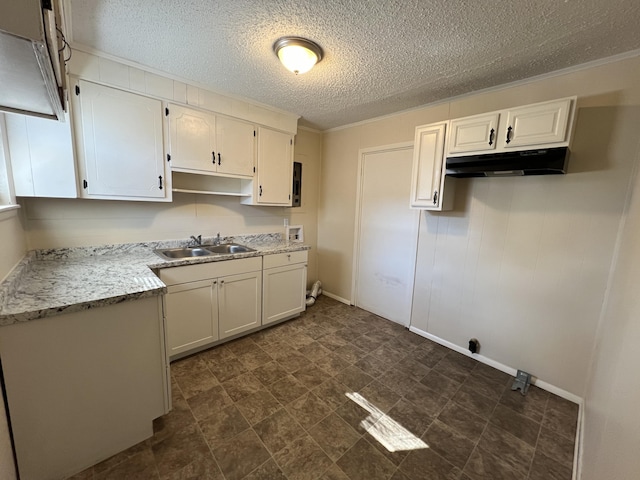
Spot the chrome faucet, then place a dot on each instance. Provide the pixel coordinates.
(217, 240)
(197, 240)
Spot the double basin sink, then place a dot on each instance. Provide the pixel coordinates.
(201, 251)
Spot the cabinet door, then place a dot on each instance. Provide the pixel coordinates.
(236, 146)
(275, 165)
(539, 124)
(42, 159)
(191, 312)
(427, 167)
(120, 145)
(239, 303)
(284, 292)
(192, 139)
(471, 134)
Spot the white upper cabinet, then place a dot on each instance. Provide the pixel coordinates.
(475, 133)
(427, 179)
(537, 125)
(192, 139)
(119, 143)
(236, 146)
(274, 177)
(41, 153)
(202, 142)
(540, 125)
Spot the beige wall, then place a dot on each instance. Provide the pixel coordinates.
(521, 263)
(13, 249)
(13, 241)
(52, 223)
(612, 423)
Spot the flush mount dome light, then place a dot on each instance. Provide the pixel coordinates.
(297, 54)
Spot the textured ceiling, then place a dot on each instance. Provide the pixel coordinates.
(380, 56)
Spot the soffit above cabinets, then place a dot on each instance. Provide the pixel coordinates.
(380, 57)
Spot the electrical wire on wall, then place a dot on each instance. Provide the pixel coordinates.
(65, 45)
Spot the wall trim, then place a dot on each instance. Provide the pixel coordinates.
(99, 53)
(499, 366)
(309, 129)
(577, 454)
(336, 297)
(517, 83)
(579, 444)
(5, 209)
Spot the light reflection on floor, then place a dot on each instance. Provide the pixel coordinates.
(393, 436)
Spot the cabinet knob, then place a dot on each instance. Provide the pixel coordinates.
(289, 256)
(215, 282)
(221, 282)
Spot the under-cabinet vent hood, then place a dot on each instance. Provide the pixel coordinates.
(547, 161)
(31, 75)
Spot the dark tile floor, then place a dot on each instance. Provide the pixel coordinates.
(320, 396)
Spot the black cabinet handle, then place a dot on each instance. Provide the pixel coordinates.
(213, 155)
(491, 136)
(219, 160)
(435, 197)
(509, 135)
(260, 191)
(160, 178)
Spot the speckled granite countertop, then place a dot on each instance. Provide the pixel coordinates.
(51, 282)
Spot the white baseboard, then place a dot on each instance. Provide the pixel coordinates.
(500, 366)
(579, 445)
(577, 455)
(336, 297)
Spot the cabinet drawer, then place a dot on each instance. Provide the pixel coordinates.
(203, 271)
(282, 259)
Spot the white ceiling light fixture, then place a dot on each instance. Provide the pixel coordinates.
(297, 54)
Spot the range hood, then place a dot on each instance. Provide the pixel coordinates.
(547, 161)
(31, 75)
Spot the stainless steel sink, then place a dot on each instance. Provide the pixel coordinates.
(182, 252)
(227, 248)
(201, 251)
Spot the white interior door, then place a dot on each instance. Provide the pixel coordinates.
(387, 234)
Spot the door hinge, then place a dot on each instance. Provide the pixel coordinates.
(168, 157)
(78, 90)
(84, 184)
(166, 111)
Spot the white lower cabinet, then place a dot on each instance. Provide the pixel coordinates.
(83, 386)
(239, 303)
(284, 281)
(208, 302)
(192, 313)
